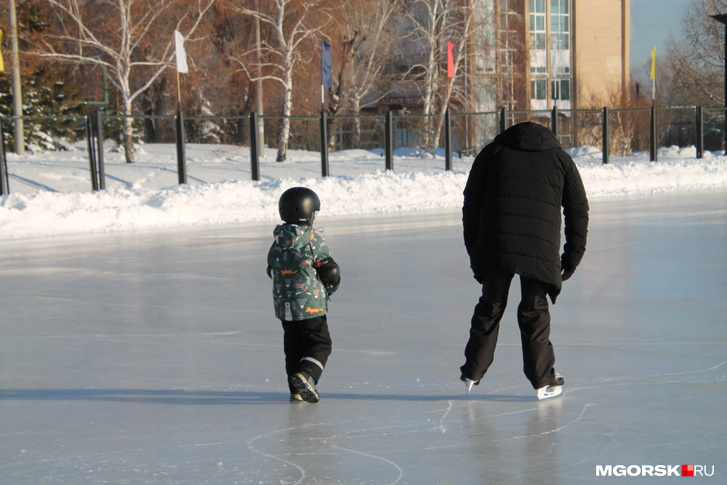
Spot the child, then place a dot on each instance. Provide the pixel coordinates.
(304, 276)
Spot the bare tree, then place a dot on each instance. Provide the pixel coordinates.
(434, 23)
(131, 40)
(627, 120)
(367, 54)
(697, 62)
(292, 25)
(460, 30)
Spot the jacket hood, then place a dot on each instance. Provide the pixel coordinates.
(528, 136)
(293, 236)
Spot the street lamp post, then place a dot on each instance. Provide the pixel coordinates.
(17, 88)
(722, 18)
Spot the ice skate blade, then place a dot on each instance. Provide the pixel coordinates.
(549, 392)
(468, 383)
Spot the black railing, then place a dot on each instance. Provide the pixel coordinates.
(613, 129)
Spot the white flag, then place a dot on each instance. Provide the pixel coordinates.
(181, 54)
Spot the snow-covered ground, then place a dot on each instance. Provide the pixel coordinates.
(50, 192)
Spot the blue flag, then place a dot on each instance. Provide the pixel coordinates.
(326, 64)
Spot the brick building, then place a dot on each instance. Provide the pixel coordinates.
(563, 52)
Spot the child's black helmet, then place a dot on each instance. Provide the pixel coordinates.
(298, 205)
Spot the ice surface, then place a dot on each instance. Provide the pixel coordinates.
(154, 357)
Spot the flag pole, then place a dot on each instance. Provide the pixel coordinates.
(325, 83)
(182, 67)
(450, 66)
(181, 59)
(325, 69)
(179, 92)
(323, 100)
(653, 77)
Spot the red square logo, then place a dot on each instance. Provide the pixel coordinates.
(687, 470)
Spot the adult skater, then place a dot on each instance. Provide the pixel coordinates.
(304, 276)
(512, 225)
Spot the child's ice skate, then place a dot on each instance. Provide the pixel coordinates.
(306, 387)
(553, 389)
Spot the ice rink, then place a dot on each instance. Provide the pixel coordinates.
(154, 357)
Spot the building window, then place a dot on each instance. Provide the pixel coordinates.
(537, 24)
(559, 24)
(539, 89)
(561, 89)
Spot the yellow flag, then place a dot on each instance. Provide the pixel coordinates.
(2, 63)
(653, 63)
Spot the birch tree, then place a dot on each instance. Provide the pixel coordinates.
(131, 40)
(293, 27)
(433, 24)
(371, 30)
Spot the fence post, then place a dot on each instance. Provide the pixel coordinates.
(447, 141)
(700, 132)
(605, 143)
(652, 136)
(254, 140)
(324, 144)
(503, 119)
(181, 162)
(91, 137)
(554, 120)
(4, 186)
(389, 132)
(100, 171)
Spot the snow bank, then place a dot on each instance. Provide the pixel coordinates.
(57, 199)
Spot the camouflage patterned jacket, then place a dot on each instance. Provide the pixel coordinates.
(298, 293)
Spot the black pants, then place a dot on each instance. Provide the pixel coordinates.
(307, 345)
(533, 318)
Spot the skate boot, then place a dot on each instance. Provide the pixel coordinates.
(306, 387)
(468, 383)
(553, 389)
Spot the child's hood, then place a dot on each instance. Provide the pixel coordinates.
(293, 236)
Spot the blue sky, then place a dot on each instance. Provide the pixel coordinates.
(651, 23)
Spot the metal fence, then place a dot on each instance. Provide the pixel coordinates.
(613, 131)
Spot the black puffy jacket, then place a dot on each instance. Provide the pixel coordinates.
(512, 207)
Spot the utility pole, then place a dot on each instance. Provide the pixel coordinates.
(722, 18)
(17, 91)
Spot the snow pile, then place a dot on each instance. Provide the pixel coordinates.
(50, 191)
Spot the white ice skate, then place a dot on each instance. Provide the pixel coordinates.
(468, 383)
(553, 389)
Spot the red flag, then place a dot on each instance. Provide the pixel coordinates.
(450, 61)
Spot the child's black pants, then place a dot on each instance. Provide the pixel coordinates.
(307, 345)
